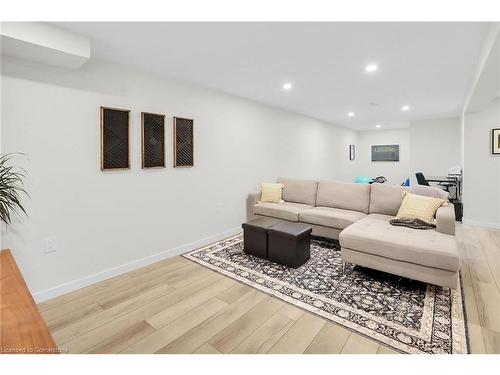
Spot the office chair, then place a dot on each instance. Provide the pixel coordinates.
(421, 179)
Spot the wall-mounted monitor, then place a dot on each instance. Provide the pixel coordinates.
(385, 153)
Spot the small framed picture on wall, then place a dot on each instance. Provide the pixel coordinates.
(495, 141)
(352, 152)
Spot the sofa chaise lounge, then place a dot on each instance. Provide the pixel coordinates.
(358, 216)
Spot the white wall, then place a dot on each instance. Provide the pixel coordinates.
(481, 114)
(482, 169)
(395, 172)
(435, 146)
(106, 219)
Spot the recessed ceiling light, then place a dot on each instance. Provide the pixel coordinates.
(405, 108)
(371, 68)
(351, 114)
(287, 86)
(378, 126)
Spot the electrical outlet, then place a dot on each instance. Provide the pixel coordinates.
(50, 244)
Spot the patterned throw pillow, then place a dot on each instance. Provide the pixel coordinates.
(271, 193)
(419, 207)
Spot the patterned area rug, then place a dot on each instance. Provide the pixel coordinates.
(407, 315)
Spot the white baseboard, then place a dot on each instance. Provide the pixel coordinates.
(61, 289)
(481, 223)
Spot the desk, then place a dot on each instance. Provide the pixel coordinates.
(453, 180)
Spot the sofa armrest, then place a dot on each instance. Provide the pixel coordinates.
(252, 201)
(445, 219)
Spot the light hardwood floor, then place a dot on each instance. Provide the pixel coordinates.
(177, 306)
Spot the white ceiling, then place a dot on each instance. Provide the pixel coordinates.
(428, 66)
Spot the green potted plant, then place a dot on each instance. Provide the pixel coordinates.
(11, 189)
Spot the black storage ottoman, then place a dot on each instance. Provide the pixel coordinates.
(289, 244)
(255, 236)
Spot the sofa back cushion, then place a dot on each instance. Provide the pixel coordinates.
(348, 196)
(299, 191)
(429, 191)
(386, 199)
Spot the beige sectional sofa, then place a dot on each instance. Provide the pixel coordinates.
(358, 216)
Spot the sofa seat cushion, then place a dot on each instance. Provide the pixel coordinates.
(381, 217)
(330, 217)
(286, 210)
(377, 236)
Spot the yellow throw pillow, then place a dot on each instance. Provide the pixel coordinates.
(271, 193)
(419, 207)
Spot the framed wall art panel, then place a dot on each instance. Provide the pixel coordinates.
(183, 142)
(153, 140)
(495, 141)
(115, 139)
